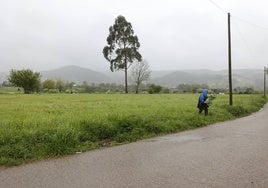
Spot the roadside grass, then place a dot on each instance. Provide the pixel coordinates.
(35, 127)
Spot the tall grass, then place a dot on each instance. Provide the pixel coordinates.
(34, 127)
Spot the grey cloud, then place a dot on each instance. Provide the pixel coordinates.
(174, 34)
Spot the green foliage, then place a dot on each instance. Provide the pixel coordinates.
(49, 84)
(41, 126)
(60, 85)
(26, 78)
(243, 90)
(191, 88)
(209, 99)
(236, 110)
(123, 46)
(154, 89)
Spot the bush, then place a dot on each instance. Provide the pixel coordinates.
(26, 78)
(237, 111)
(90, 131)
(154, 89)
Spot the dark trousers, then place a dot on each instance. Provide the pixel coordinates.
(202, 107)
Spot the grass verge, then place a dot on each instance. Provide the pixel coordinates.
(35, 127)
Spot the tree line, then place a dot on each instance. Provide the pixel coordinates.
(30, 82)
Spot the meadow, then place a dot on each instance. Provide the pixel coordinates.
(40, 126)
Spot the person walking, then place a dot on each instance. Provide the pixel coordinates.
(202, 105)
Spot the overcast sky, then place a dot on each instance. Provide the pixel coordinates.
(174, 34)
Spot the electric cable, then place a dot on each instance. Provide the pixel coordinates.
(219, 7)
(238, 18)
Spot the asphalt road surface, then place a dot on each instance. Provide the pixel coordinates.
(229, 154)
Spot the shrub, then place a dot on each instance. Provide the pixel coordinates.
(154, 89)
(96, 131)
(237, 111)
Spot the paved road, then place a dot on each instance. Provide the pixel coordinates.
(229, 154)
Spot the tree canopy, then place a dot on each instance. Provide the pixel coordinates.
(26, 78)
(49, 84)
(123, 46)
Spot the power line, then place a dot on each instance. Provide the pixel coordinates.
(250, 23)
(241, 35)
(243, 39)
(238, 18)
(219, 7)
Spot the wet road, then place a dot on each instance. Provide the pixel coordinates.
(229, 154)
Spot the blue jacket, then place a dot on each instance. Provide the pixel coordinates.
(202, 98)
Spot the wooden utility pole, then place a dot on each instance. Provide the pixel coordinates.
(230, 62)
(264, 82)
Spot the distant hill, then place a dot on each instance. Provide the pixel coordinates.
(75, 74)
(215, 79)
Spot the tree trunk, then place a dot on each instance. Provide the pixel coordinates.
(137, 89)
(126, 89)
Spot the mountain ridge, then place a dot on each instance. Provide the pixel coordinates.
(73, 73)
(169, 78)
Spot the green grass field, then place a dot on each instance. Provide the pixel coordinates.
(35, 127)
(10, 90)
